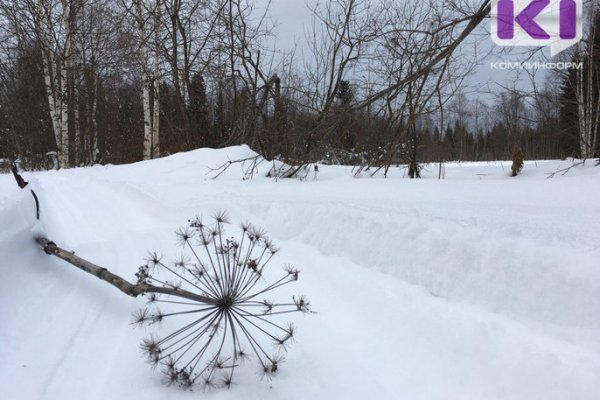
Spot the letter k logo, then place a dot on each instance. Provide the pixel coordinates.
(557, 24)
(526, 19)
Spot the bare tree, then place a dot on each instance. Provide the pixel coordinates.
(56, 46)
(399, 55)
(587, 88)
(148, 43)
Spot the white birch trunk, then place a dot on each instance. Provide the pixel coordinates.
(94, 146)
(583, 109)
(595, 109)
(597, 120)
(79, 154)
(147, 147)
(581, 112)
(52, 81)
(156, 84)
(64, 119)
(64, 87)
(155, 118)
(74, 98)
(147, 118)
(589, 106)
(53, 102)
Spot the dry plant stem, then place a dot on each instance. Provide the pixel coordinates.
(225, 166)
(22, 183)
(564, 171)
(123, 285)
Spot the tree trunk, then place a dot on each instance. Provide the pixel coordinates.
(156, 83)
(64, 86)
(94, 120)
(142, 59)
(53, 81)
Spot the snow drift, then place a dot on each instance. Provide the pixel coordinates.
(476, 286)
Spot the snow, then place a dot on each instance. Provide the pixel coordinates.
(479, 286)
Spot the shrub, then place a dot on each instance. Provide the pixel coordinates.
(517, 162)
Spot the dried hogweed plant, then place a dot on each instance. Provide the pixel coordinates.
(225, 317)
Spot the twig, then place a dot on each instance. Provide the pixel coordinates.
(564, 171)
(225, 166)
(22, 184)
(20, 181)
(130, 289)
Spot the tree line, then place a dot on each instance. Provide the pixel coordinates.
(117, 81)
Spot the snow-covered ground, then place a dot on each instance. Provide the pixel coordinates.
(479, 286)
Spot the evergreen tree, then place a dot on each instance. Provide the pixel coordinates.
(568, 141)
(198, 111)
(345, 97)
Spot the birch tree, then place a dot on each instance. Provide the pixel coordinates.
(67, 82)
(149, 42)
(156, 81)
(587, 90)
(92, 39)
(55, 71)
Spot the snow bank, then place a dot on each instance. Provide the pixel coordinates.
(459, 260)
(17, 213)
(477, 286)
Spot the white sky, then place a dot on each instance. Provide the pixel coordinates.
(292, 17)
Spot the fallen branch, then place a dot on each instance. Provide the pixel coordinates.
(277, 172)
(248, 173)
(133, 290)
(123, 285)
(564, 171)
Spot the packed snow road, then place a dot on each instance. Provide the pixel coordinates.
(475, 287)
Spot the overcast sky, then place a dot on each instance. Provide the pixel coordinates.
(293, 17)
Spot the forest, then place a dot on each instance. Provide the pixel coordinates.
(115, 81)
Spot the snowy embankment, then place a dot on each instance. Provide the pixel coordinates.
(479, 286)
